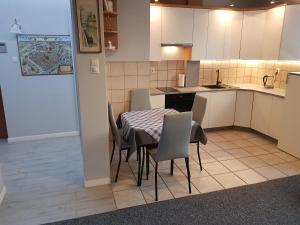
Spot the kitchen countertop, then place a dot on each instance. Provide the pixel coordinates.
(247, 87)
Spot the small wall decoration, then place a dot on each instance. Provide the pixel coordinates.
(45, 54)
(89, 37)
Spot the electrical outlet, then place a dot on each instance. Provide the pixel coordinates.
(153, 70)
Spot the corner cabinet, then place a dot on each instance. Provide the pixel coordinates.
(290, 45)
(243, 108)
(177, 25)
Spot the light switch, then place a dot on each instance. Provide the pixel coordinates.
(94, 67)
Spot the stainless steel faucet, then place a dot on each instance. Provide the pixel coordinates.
(218, 78)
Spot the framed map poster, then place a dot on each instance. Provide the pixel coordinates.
(89, 38)
(45, 54)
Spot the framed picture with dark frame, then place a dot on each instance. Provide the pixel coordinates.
(88, 26)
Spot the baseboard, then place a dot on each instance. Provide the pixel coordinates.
(2, 194)
(42, 136)
(96, 182)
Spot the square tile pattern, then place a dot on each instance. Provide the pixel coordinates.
(44, 179)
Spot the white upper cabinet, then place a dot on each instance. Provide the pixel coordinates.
(253, 34)
(233, 34)
(290, 44)
(155, 33)
(177, 25)
(216, 35)
(200, 34)
(272, 33)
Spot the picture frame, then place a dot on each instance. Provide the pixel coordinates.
(88, 26)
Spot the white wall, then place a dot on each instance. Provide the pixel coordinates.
(93, 116)
(134, 31)
(40, 104)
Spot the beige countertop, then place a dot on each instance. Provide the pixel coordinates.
(249, 87)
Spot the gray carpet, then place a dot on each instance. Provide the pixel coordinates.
(274, 202)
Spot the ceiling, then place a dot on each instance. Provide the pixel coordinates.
(226, 3)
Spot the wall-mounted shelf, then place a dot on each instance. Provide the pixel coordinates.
(111, 27)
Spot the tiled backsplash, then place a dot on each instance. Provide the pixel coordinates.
(124, 76)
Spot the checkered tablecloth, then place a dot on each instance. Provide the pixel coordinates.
(151, 121)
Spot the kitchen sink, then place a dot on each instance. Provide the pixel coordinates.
(214, 86)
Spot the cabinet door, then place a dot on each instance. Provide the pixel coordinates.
(252, 34)
(272, 33)
(205, 122)
(261, 114)
(276, 117)
(200, 34)
(222, 109)
(216, 35)
(155, 33)
(177, 25)
(233, 34)
(290, 45)
(243, 108)
(157, 101)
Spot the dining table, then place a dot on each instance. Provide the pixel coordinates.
(143, 128)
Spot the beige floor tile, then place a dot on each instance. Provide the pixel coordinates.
(227, 145)
(195, 171)
(129, 198)
(234, 165)
(124, 184)
(205, 158)
(215, 137)
(271, 159)
(288, 169)
(243, 143)
(270, 172)
(215, 168)
(238, 153)
(286, 157)
(271, 148)
(250, 176)
(211, 148)
(177, 175)
(296, 163)
(230, 136)
(162, 190)
(229, 180)
(259, 141)
(206, 184)
(255, 150)
(181, 189)
(253, 162)
(221, 155)
(246, 134)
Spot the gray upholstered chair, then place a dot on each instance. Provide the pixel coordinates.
(199, 108)
(118, 140)
(140, 99)
(173, 144)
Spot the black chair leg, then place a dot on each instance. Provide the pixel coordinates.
(172, 167)
(198, 151)
(147, 164)
(142, 169)
(156, 195)
(113, 151)
(120, 159)
(188, 173)
(127, 157)
(138, 154)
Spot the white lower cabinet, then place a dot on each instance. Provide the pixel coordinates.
(222, 108)
(267, 114)
(243, 108)
(157, 101)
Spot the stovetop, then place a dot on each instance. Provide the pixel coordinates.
(167, 89)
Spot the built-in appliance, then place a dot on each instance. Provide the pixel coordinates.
(167, 89)
(289, 137)
(181, 102)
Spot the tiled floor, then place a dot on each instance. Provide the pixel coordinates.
(44, 179)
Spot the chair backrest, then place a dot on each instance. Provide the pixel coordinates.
(113, 126)
(175, 136)
(140, 99)
(199, 108)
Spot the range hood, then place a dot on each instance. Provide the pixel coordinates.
(184, 45)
